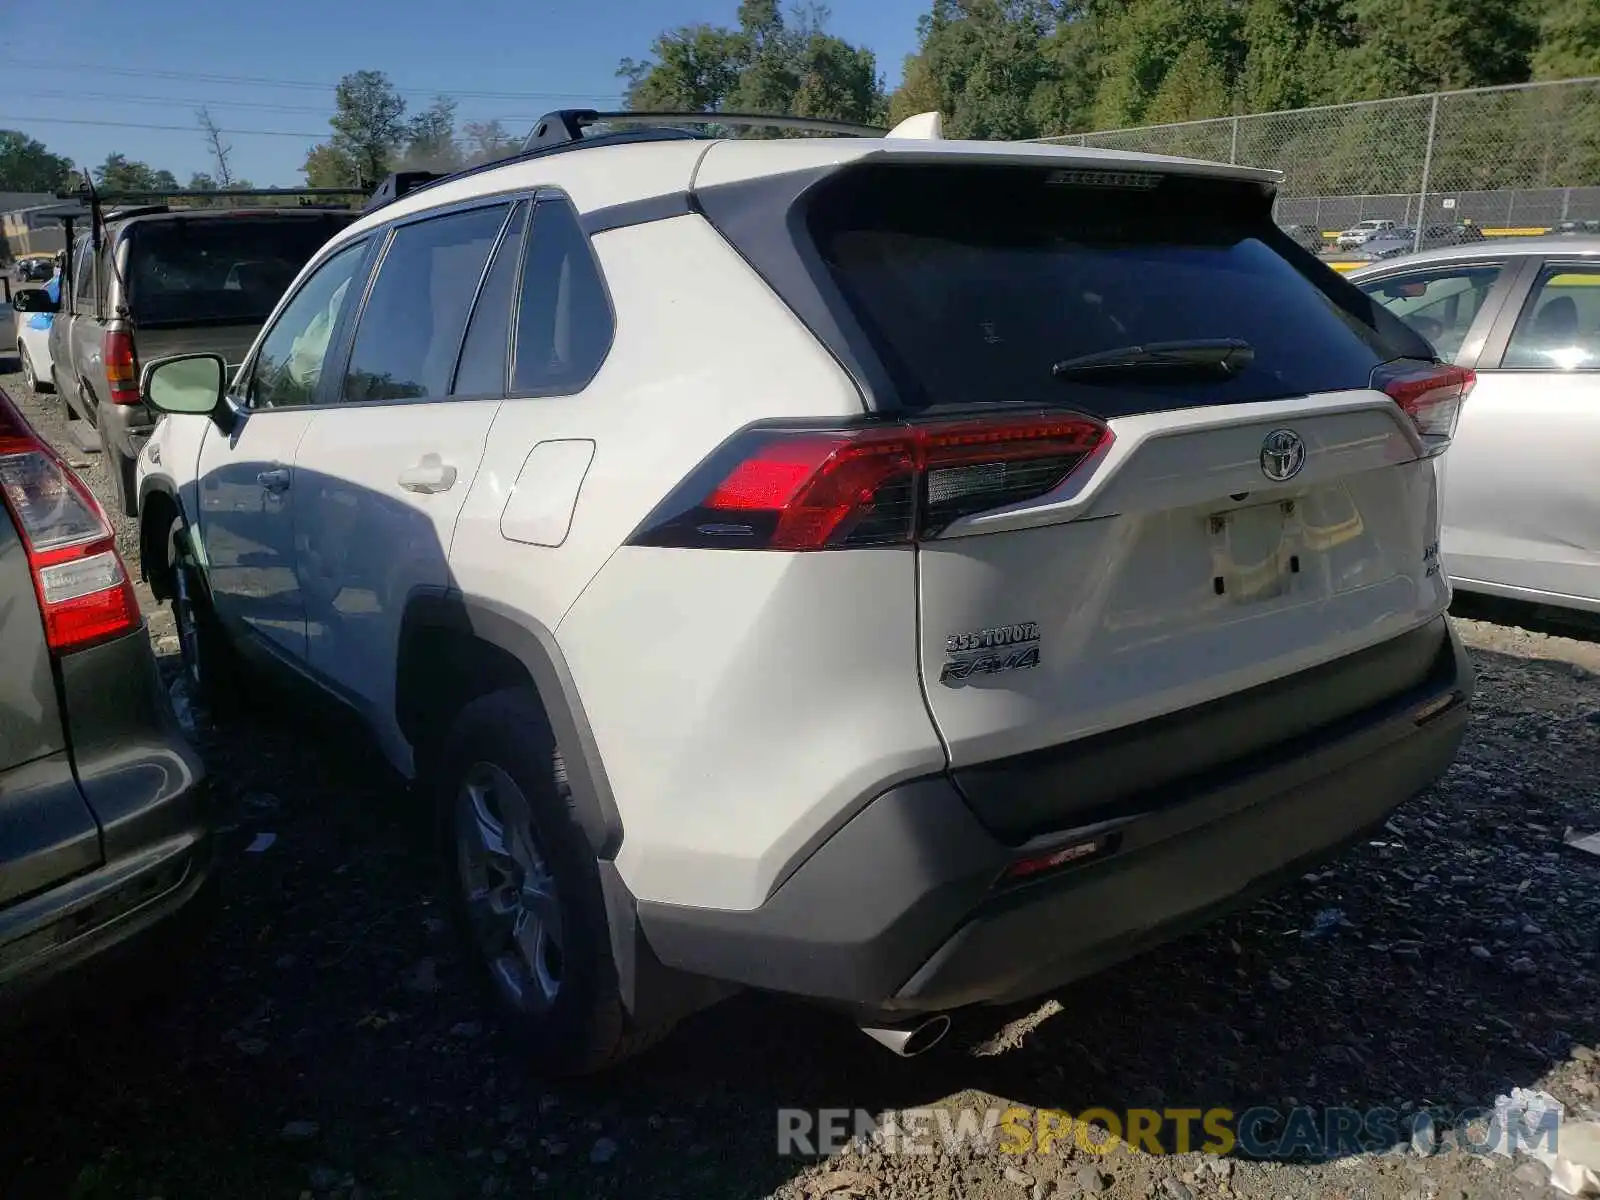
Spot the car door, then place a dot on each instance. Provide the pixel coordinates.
(384, 470)
(247, 490)
(1522, 517)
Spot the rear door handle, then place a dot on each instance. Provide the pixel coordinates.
(275, 480)
(429, 476)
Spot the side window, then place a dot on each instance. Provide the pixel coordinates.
(83, 282)
(409, 333)
(487, 348)
(1440, 304)
(564, 322)
(286, 371)
(1559, 329)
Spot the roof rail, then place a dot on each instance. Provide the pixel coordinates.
(566, 126)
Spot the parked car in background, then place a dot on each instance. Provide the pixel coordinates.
(777, 658)
(1361, 232)
(105, 845)
(1388, 244)
(167, 281)
(1520, 489)
(34, 268)
(1461, 233)
(33, 342)
(1308, 236)
(1576, 228)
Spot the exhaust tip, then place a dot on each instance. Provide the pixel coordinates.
(910, 1040)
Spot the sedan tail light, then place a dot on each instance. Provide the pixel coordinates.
(85, 595)
(776, 488)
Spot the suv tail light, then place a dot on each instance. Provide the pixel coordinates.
(1430, 394)
(84, 592)
(122, 367)
(775, 488)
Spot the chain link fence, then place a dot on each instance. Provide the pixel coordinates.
(1512, 159)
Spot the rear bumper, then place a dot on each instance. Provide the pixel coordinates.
(125, 426)
(903, 912)
(118, 930)
(150, 795)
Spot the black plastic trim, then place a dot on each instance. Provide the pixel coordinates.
(535, 647)
(637, 212)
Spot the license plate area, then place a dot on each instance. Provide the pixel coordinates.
(1255, 553)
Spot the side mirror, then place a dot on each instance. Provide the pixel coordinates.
(34, 300)
(184, 384)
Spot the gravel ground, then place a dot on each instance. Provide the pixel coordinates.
(332, 1046)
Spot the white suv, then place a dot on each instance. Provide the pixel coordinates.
(902, 573)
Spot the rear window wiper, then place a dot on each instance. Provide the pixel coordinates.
(1201, 356)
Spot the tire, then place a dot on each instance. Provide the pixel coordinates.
(524, 889)
(28, 376)
(210, 664)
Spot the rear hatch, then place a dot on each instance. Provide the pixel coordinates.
(1236, 508)
(208, 281)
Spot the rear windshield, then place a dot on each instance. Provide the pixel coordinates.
(973, 282)
(218, 270)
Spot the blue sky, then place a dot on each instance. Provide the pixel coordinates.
(152, 62)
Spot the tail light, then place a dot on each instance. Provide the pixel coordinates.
(84, 592)
(878, 485)
(1430, 394)
(122, 367)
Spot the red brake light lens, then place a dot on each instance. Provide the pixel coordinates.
(122, 367)
(878, 485)
(83, 589)
(1431, 394)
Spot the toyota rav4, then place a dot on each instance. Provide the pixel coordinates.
(902, 573)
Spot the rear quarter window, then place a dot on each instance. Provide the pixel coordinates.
(972, 282)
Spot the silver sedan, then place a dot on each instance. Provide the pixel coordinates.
(1521, 481)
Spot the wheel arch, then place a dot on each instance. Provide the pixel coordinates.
(449, 639)
(455, 647)
(159, 507)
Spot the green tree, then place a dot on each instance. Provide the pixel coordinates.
(766, 65)
(327, 166)
(1569, 40)
(1409, 46)
(431, 138)
(368, 123)
(1145, 41)
(201, 182)
(693, 69)
(486, 140)
(1193, 88)
(994, 68)
(119, 173)
(27, 166)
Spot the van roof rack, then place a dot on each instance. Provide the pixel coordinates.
(566, 126)
(159, 196)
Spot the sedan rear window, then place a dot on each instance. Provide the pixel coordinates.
(974, 282)
(221, 269)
